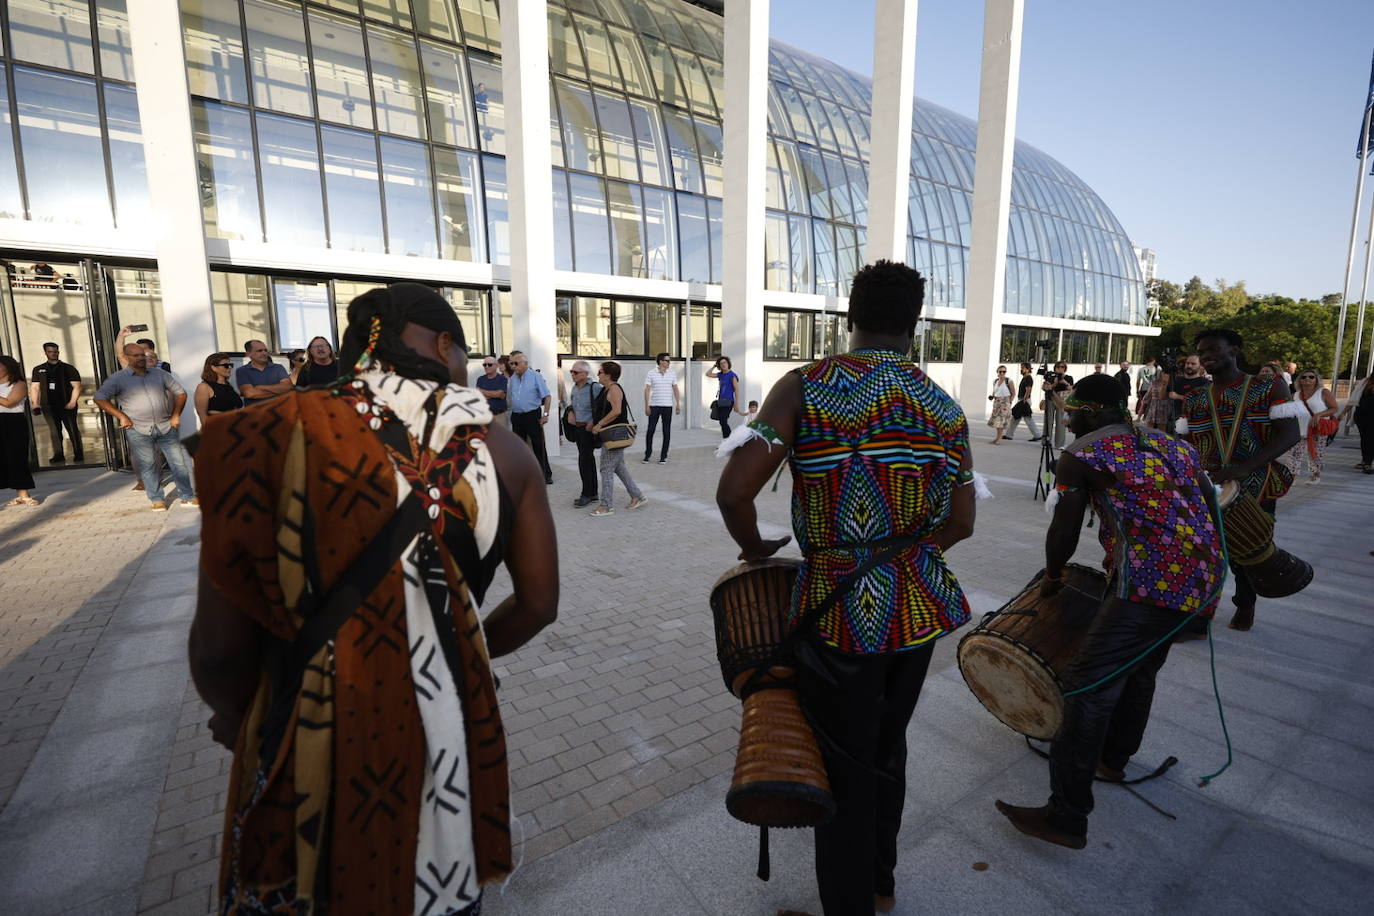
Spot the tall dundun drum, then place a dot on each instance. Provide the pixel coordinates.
(1273, 572)
(780, 778)
(1015, 659)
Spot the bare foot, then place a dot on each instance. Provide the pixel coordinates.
(883, 903)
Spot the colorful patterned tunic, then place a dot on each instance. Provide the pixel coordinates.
(878, 453)
(1211, 434)
(1160, 538)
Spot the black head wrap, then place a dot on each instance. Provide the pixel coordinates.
(376, 319)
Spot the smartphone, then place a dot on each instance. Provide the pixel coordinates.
(136, 328)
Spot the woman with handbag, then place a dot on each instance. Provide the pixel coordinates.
(728, 395)
(1321, 422)
(1021, 410)
(614, 426)
(1001, 404)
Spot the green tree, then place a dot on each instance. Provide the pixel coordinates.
(1163, 293)
(1332, 299)
(1230, 299)
(1197, 296)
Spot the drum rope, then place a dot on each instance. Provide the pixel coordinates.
(1127, 783)
(1211, 651)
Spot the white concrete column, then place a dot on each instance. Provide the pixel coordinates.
(889, 172)
(746, 133)
(525, 78)
(987, 270)
(164, 110)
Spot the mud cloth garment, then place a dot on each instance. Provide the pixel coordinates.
(879, 451)
(378, 782)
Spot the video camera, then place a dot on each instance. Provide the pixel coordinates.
(1042, 352)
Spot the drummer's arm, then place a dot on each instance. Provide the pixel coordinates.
(750, 466)
(1283, 435)
(1062, 539)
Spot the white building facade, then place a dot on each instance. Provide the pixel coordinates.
(225, 170)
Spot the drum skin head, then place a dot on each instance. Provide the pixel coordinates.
(1020, 691)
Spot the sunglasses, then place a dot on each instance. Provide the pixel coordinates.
(487, 365)
(1311, 377)
(224, 365)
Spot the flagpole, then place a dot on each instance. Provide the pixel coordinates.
(1354, 235)
(1364, 292)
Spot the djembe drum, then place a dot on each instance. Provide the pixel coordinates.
(780, 778)
(1015, 659)
(1272, 571)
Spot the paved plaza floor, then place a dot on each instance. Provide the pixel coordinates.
(622, 735)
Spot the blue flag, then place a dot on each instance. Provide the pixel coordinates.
(1364, 118)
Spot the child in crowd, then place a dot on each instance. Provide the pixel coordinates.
(753, 413)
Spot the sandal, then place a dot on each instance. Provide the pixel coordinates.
(600, 511)
(22, 501)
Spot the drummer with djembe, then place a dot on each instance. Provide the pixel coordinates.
(1241, 425)
(881, 487)
(1164, 563)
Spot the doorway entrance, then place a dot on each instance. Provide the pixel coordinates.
(82, 307)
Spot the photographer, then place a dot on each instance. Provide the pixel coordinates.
(1056, 385)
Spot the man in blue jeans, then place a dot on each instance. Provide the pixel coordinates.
(150, 403)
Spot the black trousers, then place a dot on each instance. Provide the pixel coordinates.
(1108, 723)
(59, 419)
(861, 706)
(1245, 592)
(656, 414)
(586, 461)
(527, 426)
(1366, 428)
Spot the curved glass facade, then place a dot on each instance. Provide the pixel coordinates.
(379, 126)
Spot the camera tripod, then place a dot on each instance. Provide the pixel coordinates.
(1044, 469)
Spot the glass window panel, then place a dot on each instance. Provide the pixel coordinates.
(716, 226)
(64, 160)
(592, 326)
(351, 188)
(302, 311)
(847, 256)
(617, 137)
(651, 143)
(682, 143)
(214, 49)
(241, 305)
(505, 316)
(555, 131)
(277, 56)
(481, 25)
(826, 139)
(227, 172)
(409, 199)
(694, 78)
(581, 139)
(715, 79)
(340, 71)
(799, 229)
(392, 12)
(597, 45)
(450, 116)
(668, 25)
(660, 56)
(627, 229)
(827, 280)
(711, 145)
(562, 323)
(793, 183)
(799, 335)
(396, 83)
(817, 185)
(438, 19)
(290, 180)
(629, 329)
(663, 320)
(490, 103)
(472, 308)
(460, 211)
(699, 326)
(126, 156)
(858, 190)
(775, 335)
(565, 55)
(772, 187)
(838, 182)
(633, 68)
(11, 203)
(591, 238)
(498, 210)
(52, 32)
(777, 257)
(562, 223)
(116, 45)
(694, 238)
(660, 235)
(777, 115)
(796, 113)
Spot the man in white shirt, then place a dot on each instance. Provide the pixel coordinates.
(661, 401)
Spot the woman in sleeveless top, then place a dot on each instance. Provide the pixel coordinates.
(214, 394)
(1001, 404)
(14, 434)
(1311, 448)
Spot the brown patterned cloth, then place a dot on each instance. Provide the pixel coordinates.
(325, 794)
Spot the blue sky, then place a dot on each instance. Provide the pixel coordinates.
(1221, 132)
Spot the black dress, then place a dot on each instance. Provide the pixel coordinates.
(15, 473)
(224, 399)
